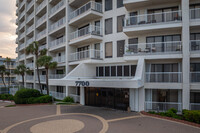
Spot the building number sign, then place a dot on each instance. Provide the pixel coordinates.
(82, 83)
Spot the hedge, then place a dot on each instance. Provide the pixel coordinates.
(192, 115)
(6, 97)
(27, 93)
(68, 99)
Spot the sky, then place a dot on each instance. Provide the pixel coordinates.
(8, 28)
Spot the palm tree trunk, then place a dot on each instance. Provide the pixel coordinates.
(47, 81)
(2, 77)
(38, 73)
(23, 80)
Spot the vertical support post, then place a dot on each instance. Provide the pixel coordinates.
(82, 95)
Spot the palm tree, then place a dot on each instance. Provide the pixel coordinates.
(7, 61)
(33, 48)
(21, 70)
(2, 72)
(46, 62)
(8, 75)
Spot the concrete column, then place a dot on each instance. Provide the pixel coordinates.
(82, 95)
(186, 54)
(141, 99)
(136, 100)
(131, 99)
(67, 91)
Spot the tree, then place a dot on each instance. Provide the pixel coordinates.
(2, 72)
(33, 48)
(46, 62)
(22, 70)
(8, 61)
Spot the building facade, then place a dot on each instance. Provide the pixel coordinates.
(10, 66)
(137, 54)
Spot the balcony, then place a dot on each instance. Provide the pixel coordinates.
(42, 47)
(77, 3)
(89, 34)
(41, 35)
(22, 46)
(21, 25)
(195, 45)
(164, 77)
(90, 11)
(157, 48)
(42, 78)
(41, 6)
(22, 57)
(87, 54)
(30, 5)
(59, 59)
(30, 65)
(41, 20)
(57, 7)
(57, 25)
(58, 43)
(30, 29)
(195, 14)
(195, 77)
(155, 22)
(29, 41)
(30, 78)
(22, 4)
(30, 17)
(22, 15)
(56, 76)
(21, 36)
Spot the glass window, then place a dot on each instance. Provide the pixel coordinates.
(126, 71)
(120, 3)
(108, 26)
(113, 70)
(107, 71)
(120, 23)
(120, 48)
(119, 70)
(108, 5)
(97, 71)
(133, 70)
(108, 50)
(101, 71)
(133, 47)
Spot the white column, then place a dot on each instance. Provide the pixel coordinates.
(131, 99)
(141, 99)
(136, 100)
(82, 95)
(67, 91)
(186, 53)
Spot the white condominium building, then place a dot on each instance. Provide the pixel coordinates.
(121, 54)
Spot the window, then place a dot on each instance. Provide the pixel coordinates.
(101, 71)
(133, 47)
(60, 89)
(108, 50)
(126, 71)
(120, 23)
(107, 71)
(108, 5)
(195, 11)
(120, 48)
(120, 3)
(113, 70)
(108, 26)
(119, 71)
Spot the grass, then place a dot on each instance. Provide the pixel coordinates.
(10, 106)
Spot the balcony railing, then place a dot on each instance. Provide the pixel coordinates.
(75, 97)
(164, 77)
(87, 54)
(56, 95)
(89, 6)
(42, 47)
(30, 17)
(41, 34)
(56, 76)
(42, 78)
(41, 6)
(21, 35)
(57, 7)
(194, 77)
(29, 77)
(57, 24)
(22, 3)
(89, 30)
(162, 106)
(42, 19)
(30, 5)
(21, 46)
(29, 41)
(194, 106)
(30, 65)
(22, 14)
(164, 17)
(195, 45)
(30, 28)
(22, 56)
(22, 25)
(58, 42)
(59, 59)
(154, 48)
(195, 13)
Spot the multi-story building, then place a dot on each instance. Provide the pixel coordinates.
(10, 66)
(141, 54)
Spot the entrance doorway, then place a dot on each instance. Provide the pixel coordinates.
(116, 98)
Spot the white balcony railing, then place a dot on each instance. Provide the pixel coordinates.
(56, 95)
(41, 6)
(87, 54)
(164, 17)
(89, 6)
(41, 34)
(42, 47)
(195, 13)
(30, 17)
(22, 3)
(30, 29)
(194, 106)
(162, 106)
(21, 46)
(22, 14)
(30, 65)
(89, 30)
(154, 48)
(29, 77)
(75, 97)
(57, 42)
(30, 5)
(164, 77)
(22, 25)
(59, 59)
(195, 45)
(29, 41)
(57, 7)
(56, 76)
(22, 56)
(21, 35)
(42, 78)
(42, 19)
(57, 24)
(195, 77)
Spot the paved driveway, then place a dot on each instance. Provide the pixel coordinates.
(82, 119)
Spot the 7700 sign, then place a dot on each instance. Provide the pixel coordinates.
(82, 83)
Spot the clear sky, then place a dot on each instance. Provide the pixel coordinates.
(7, 28)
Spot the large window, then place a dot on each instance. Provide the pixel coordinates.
(120, 3)
(120, 48)
(108, 26)
(108, 5)
(108, 50)
(195, 11)
(133, 45)
(120, 23)
(116, 71)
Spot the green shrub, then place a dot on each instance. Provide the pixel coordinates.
(43, 99)
(6, 97)
(68, 99)
(173, 110)
(192, 115)
(27, 93)
(152, 112)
